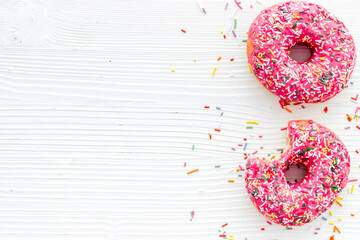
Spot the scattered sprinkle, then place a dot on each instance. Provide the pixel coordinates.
(213, 73)
(192, 171)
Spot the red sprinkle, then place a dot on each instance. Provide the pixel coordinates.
(218, 130)
(206, 107)
(183, 30)
(325, 109)
(224, 37)
(210, 136)
(224, 225)
(222, 235)
(348, 117)
(357, 127)
(262, 229)
(353, 180)
(288, 110)
(231, 59)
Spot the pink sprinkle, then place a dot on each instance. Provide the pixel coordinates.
(347, 128)
(317, 229)
(184, 164)
(240, 145)
(254, 153)
(233, 149)
(303, 106)
(281, 104)
(238, 4)
(353, 180)
(234, 33)
(261, 147)
(192, 213)
(226, 5)
(251, 6)
(282, 129)
(260, 136)
(315, 232)
(204, 10)
(279, 149)
(269, 222)
(240, 167)
(357, 109)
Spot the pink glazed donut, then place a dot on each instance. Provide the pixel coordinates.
(280, 27)
(328, 166)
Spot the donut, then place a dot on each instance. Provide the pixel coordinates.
(328, 165)
(277, 29)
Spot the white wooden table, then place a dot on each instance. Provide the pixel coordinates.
(95, 128)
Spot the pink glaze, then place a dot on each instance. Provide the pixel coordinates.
(278, 28)
(328, 166)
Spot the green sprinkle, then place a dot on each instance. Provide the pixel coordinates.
(279, 29)
(294, 25)
(249, 127)
(235, 23)
(283, 10)
(341, 30)
(302, 11)
(193, 147)
(341, 40)
(244, 40)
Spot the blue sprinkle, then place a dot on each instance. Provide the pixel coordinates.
(224, 232)
(269, 155)
(218, 108)
(352, 82)
(245, 146)
(219, 230)
(239, 175)
(324, 218)
(217, 166)
(221, 113)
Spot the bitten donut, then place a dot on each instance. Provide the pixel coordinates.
(280, 27)
(328, 165)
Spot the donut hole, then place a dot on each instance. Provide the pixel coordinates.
(295, 173)
(300, 52)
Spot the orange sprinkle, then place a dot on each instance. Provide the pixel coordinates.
(338, 203)
(183, 30)
(192, 171)
(219, 58)
(288, 110)
(272, 157)
(218, 130)
(210, 136)
(224, 225)
(206, 107)
(332, 237)
(348, 117)
(357, 127)
(351, 214)
(238, 170)
(231, 59)
(231, 181)
(335, 228)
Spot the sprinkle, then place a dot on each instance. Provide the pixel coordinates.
(295, 15)
(231, 59)
(233, 32)
(210, 136)
(217, 166)
(322, 58)
(192, 213)
(219, 58)
(338, 203)
(341, 198)
(204, 10)
(224, 225)
(193, 147)
(235, 23)
(192, 171)
(331, 213)
(224, 36)
(250, 68)
(332, 237)
(213, 73)
(353, 180)
(218, 130)
(231, 181)
(335, 228)
(288, 110)
(218, 108)
(348, 117)
(249, 127)
(184, 164)
(183, 30)
(326, 109)
(339, 219)
(269, 222)
(331, 223)
(226, 6)
(282, 129)
(351, 214)
(252, 122)
(238, 4)
(222, 235)
(234, 149)
(245, 146)
(262, 229)
(279, 29)
(352, 188)
(173, 70)
(324, 218)
(206, 107)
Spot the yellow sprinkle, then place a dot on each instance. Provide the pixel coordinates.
(357, 117)
(231, 236)
(330, 213)
(352, 188)
(173, 70)
(295, 16)
(331, 223)
(214, 71)
(339, 219)
(322, 59)
(250, 68)
(247, 32)
(221, 32)
(341, 198)
(252, 122)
